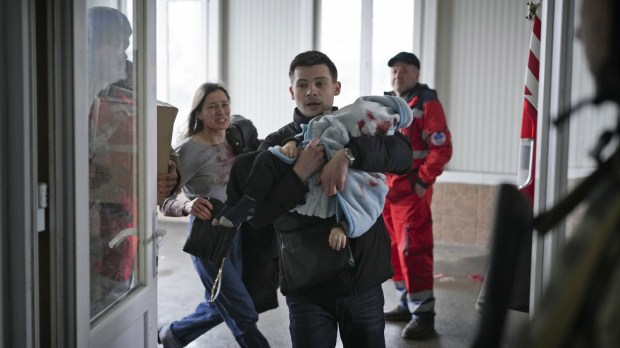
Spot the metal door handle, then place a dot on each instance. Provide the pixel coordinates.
(161, 235)
(114, 242)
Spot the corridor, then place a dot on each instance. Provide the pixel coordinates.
(458, 269)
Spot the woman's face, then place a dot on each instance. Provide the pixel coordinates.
(215, 112)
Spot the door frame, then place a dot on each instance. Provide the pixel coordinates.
(65, 317)
(20, 145)
(17, 177)
(552, 155)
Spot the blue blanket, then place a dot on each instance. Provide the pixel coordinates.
(362, 199)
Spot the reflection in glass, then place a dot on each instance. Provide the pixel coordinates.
(112, 159)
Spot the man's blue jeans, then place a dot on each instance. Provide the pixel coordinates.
(232, 306)
(314, 321)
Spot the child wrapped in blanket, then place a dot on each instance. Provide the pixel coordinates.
(362, 198)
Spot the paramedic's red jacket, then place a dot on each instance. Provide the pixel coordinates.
(430, 140)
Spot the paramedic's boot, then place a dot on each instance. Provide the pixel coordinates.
(419, 327)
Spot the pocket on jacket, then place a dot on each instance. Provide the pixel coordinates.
(402, 187)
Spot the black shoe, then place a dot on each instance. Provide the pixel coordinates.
(399, 313)
(419, 328)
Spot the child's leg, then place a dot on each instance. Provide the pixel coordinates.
(239, 175)
(240, 212)
(266, 169)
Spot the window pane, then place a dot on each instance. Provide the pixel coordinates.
(182, 59)
(392, 32)
(340, 40)
(112, 163)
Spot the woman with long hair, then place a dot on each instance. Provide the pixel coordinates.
(204, 160)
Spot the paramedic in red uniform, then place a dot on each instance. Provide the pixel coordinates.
(407, 211)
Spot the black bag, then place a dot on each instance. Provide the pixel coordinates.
(209, 242)
(306, 259)
(242, 135)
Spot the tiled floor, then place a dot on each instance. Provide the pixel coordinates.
(457, 271)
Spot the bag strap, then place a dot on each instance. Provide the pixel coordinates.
(217, 284)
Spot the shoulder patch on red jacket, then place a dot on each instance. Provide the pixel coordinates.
(438, 138)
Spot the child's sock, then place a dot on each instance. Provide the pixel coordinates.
(216, 219)
(243, 211)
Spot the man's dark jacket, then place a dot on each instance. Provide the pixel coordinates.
(371, 250)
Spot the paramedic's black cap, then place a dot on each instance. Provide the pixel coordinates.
(405, 57)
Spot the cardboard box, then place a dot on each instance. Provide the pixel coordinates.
(166, 114)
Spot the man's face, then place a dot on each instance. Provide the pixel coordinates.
(110, 61)
(404, 77)
(313, 90)
(595, 33)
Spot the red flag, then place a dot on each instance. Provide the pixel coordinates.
(527, 150)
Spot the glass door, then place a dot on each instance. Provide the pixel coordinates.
(119, 211)
(112, 160)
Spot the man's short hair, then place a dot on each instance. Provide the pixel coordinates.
(312, 58)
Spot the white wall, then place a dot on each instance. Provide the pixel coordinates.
(480, 49)
(482, 52)
(262, 39)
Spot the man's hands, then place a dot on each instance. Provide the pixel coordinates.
(334, 174)
(311, 159)
(166, 182)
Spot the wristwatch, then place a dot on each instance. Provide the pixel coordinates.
(350, 156)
